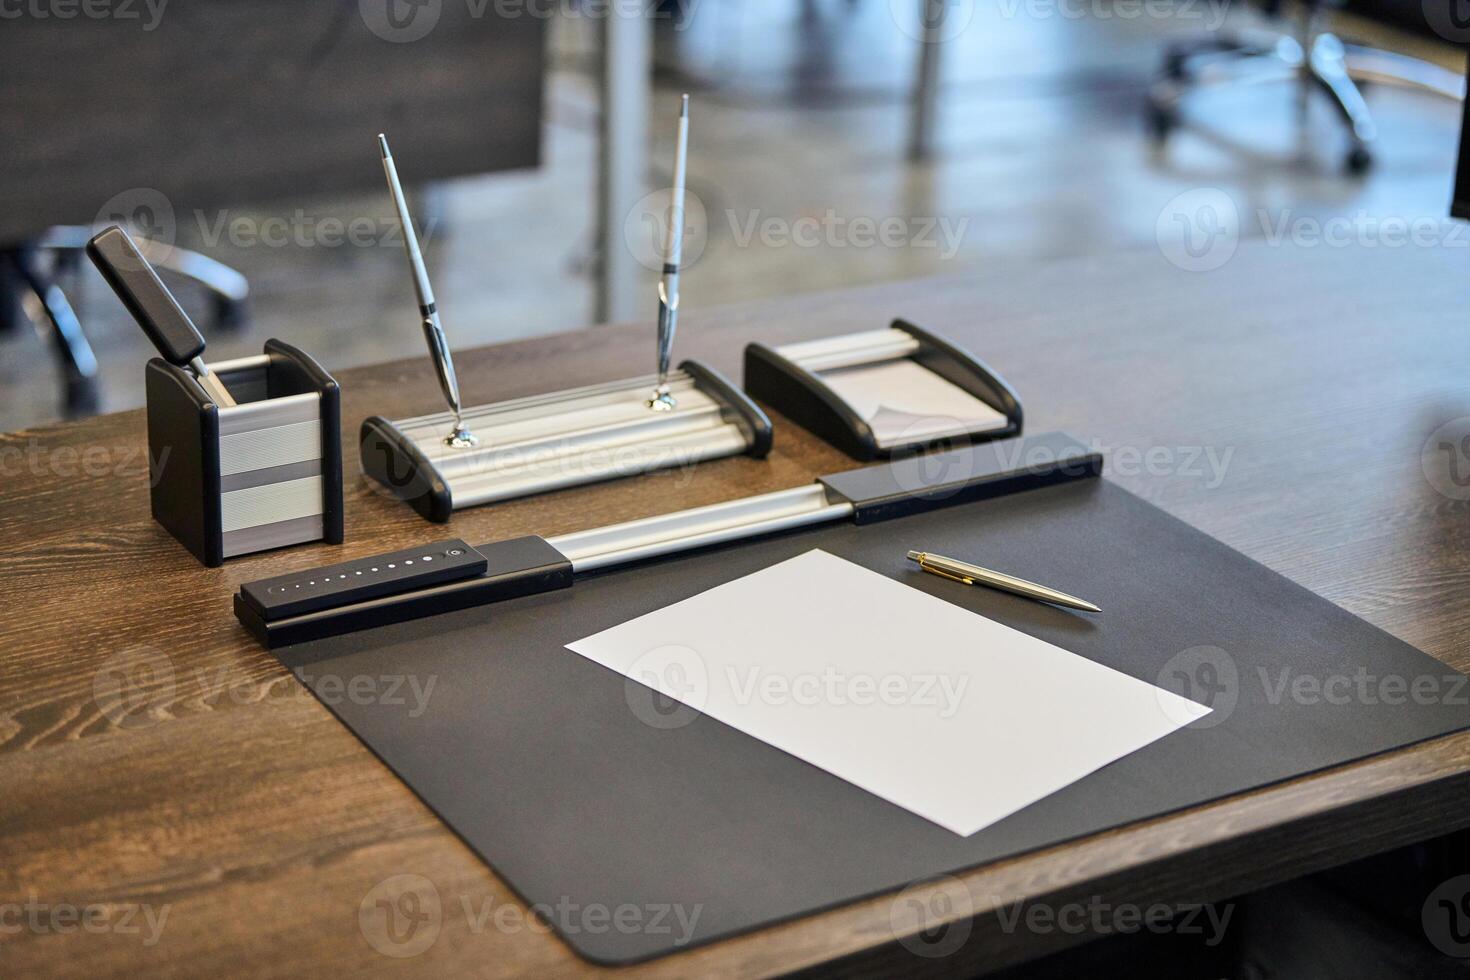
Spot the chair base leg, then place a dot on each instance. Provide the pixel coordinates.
(228, 290)
(12, 313)
(1318, 60)
(50, 310)
(29, 292)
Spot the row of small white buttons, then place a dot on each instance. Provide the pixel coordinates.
(406, 561)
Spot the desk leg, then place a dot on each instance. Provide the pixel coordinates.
(926, 86)
(627, 67)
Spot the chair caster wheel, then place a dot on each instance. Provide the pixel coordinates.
(229, 314)
(1359, 161)
(12, 314)
(82, 398)
(1161, 121)
(68, 260)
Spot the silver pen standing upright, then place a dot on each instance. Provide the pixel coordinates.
(460, 437)
(668, 286)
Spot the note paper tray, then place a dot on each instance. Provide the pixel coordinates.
(561, 439)
(880, 392)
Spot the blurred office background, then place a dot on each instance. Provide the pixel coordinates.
(804, 170)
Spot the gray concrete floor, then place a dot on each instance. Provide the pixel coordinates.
(797, 164)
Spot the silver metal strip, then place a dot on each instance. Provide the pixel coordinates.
(536, 475)
(600, 392)
(249, 416)
(684, 530)
(240, 363)
(846, 341)
(270, 503)
(866, 347)
(650, 430)
(293, 531)
(278, 445)
(567, 432)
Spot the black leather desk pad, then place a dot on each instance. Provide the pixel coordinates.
(535, 757)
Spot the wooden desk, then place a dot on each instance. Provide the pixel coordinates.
(234, 800)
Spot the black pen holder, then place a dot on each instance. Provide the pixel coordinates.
(264, 473)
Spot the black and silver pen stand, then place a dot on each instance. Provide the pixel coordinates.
(878, 393)
(264, 473)
(561, 439)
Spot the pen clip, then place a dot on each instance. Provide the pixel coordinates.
(963, 580)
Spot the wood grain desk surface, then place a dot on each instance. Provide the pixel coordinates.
(152, 756)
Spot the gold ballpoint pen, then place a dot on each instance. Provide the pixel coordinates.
(967, 574)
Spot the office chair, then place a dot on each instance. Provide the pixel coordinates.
(1317, 58)
(30, 291)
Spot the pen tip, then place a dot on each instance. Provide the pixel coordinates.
(916, 556)
(684, 105)
(383, 144)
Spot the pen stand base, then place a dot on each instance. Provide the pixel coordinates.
(561, 439)
(262, 474)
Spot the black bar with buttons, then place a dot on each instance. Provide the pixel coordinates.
(365, 578)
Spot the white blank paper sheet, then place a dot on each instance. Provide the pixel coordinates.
(953, 716)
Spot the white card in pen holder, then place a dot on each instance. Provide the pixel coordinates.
(880, 392)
